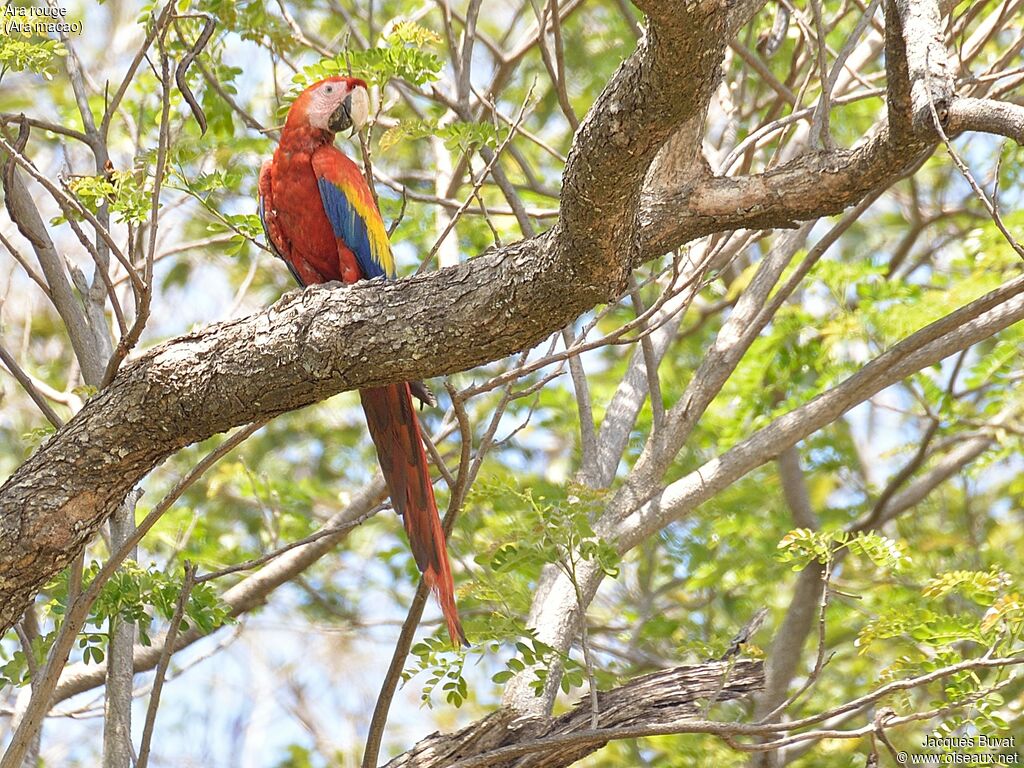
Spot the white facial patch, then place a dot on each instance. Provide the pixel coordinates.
(324, 101)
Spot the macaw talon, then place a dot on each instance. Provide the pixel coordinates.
(422, 393)
(341, 118)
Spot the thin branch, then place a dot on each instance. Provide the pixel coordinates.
(378, 720)
(26, 383)
(157, 29)
(956, 331)
(820, 126)
(464, 480)
(25, 265)
(256, 562)
(46, 125)
(993, 211)
(585, 413)
(78, 609)
(483, 175)
(165, 661)
(117, 694)
(145, 294)
(821, 118)
(64, 198)
(651, 360)
(820, 659)
(560, 743)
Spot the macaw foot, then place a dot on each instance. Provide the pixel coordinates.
(422, 393)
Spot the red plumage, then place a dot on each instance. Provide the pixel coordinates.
(320, 217)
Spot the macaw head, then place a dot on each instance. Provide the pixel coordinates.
(334, 104)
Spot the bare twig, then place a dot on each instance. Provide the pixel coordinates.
(30, 388)
(79, 604)
(157, 29)
(145, 293)
(181, 73)
(820, 127)
(821, 119)
(483, 175)
(165, 661)
(256, 562)
(993, 211)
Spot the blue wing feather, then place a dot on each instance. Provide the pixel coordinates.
(350, 226)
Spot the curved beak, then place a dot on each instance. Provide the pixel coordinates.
(353, 112)
(341, 118)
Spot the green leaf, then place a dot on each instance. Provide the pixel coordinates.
(21, 53)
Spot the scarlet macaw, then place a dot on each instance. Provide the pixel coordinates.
(321, 219)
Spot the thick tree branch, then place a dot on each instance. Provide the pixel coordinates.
(660, 697)
(988, 116)
(954, 332)
(555, 598)
(310, 346)
(915, 40)
(814, 184)
(496, 742)
(672, 75)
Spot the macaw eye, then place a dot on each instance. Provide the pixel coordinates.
(329, 88)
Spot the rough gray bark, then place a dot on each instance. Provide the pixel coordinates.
(998, 117)
(89, 339)
(919, 33)
(312, 345)
(664, 697)
(832, 179)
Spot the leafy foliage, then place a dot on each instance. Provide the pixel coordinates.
(544, 530)
(122, 192)
(20, 54)
(803, 546)
(133, 594)
(938, 584)
(402, 55)
(456, 135)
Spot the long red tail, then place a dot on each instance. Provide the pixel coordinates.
(396, 433)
